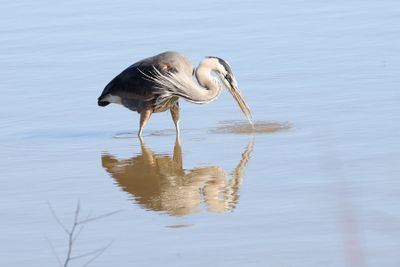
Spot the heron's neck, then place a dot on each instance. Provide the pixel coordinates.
(210, 86)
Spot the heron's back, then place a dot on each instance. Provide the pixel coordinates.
(134, 88)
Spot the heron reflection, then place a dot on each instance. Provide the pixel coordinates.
(160, 183)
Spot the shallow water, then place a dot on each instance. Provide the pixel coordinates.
(318, 187)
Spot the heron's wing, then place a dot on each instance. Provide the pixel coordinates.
(135, 82)
(132, 83)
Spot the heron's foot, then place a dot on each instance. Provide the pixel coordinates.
(141, 140)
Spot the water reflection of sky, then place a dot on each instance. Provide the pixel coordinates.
(323, 193)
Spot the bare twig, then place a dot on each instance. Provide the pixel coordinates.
(71, 238)
(57, 219)
(73, 234)
(54, 251)
(101, 251)
(78, 233)
(81, 227)
(91, 252)
(98, 217)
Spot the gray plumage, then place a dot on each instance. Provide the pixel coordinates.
(155, 84)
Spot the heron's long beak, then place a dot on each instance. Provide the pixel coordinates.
(231, 85)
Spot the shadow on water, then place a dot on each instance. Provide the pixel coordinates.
(159, 182)
(164, 132)
(243, 127)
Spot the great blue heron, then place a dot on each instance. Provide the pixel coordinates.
(156, 83)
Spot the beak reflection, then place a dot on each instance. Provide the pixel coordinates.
(158, 182)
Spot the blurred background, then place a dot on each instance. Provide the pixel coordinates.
(323, 192)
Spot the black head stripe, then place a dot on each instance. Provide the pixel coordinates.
(223, 63)
(228, 77)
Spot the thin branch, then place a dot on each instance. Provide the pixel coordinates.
(57, 219)
(78, 233)
(74, 232)
(97, 255)
(54, 251)
(92, 252)
(78, 208)
(71, 238)
(98, 217)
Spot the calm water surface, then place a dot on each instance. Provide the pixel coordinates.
(322, 188)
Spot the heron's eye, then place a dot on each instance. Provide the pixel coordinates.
(228, 77)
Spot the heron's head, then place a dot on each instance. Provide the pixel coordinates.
(226, 75)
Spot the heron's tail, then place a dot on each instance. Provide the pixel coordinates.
(101, 102)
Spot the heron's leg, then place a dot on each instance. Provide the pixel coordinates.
(144, 118)
(177, 157)
(148, 155)
(175, 116)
